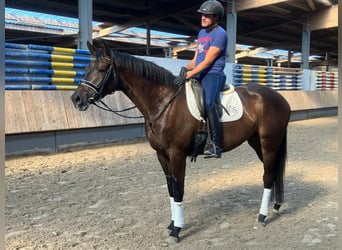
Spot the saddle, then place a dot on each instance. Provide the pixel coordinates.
(199, 96)
(231, 109)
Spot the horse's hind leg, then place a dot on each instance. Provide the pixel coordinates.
(255, 143)
(274, 166)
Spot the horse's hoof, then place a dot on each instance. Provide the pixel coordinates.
(171, 241)
(275, 211)
(260, 221)
(258, 225)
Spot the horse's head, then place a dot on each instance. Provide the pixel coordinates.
(99, 74)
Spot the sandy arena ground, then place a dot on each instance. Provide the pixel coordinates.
(115, 197)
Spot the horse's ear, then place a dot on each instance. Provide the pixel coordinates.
(91, 48)
(106, 50)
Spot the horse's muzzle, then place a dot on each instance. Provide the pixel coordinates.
(80, 101)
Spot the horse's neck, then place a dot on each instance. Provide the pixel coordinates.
(149, 98)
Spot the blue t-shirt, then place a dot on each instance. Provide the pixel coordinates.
(217, 38)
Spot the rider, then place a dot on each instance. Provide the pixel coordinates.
(207, 66)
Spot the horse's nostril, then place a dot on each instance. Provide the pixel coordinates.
(75, 99)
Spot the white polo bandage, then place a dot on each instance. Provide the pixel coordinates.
(172, 206)
(178, 214)
(265, 202)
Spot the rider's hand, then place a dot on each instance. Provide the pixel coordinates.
(181, 78)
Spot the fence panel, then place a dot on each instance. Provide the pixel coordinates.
(326, 80)
(37, 67)
(274, 77)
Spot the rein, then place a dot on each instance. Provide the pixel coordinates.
(96, 98)
(117, 112)
(166, 105)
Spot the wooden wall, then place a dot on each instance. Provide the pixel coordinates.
(308, 100)
(39, 111)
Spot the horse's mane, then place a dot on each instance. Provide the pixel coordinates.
(142, 67)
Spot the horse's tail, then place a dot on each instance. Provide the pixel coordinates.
(278, 192)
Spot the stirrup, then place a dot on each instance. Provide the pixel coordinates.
(209, 148)
(212, 151)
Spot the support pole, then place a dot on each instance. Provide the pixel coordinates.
(148, 38)
(2, 124)
(231, 31)
(306, 43)
(85, 18)
(231, 48)
(289, 58)
(306, 53)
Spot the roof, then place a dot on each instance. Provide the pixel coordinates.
(268, 24)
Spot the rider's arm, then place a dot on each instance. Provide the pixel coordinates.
(191, 64)
(212, 54)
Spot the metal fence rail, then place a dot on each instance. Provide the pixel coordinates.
(37, 67)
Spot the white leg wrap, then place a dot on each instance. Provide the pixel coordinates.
(172, 206)
(179, 214)
(265, 202)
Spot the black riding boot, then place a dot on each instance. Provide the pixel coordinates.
(215, 131)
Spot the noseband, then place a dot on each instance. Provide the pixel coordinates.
(98, 90)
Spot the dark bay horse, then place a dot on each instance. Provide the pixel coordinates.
(170, 127)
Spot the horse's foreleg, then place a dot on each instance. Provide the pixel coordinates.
(176, 191)
(172, 208)
(174, 169)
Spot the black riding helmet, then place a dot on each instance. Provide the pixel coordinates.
(212, 8)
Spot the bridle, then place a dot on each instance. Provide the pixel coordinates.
(98, 95)
(98, 90)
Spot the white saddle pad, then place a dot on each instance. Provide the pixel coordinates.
(230, 100)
